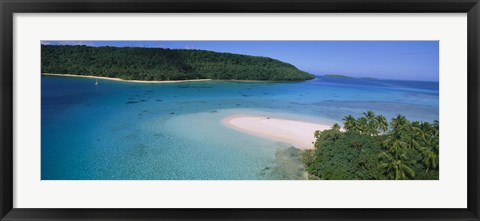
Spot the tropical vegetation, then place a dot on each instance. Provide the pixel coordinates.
(131, 63)
(370, 148)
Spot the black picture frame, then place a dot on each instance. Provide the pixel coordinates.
(9, 7)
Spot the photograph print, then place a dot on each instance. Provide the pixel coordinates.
(239, 110)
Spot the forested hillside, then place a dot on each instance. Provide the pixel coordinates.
(164, 64)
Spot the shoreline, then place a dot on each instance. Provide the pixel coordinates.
(173, 81)
(118, 79)
(299, 134)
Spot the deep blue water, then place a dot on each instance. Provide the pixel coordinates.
(119, 130)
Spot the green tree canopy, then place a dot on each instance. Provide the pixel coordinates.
(164, 64)
(371, 148)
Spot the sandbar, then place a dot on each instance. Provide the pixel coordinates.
(118, 79)
(300, 134)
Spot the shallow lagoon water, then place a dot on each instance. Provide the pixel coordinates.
(123, 131)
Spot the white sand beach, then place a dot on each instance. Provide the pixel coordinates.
(118, 79)
(297, 133)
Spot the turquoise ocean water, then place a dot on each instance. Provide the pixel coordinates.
(124, 131)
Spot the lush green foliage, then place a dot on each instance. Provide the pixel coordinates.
(371, 148)
(164, 64)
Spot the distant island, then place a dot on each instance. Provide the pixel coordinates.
(159, 64)
(345, 76)
(336, 76)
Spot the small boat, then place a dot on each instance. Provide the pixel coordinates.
(96, 82)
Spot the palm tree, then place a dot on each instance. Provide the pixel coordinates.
(430, 159)
(414, 134)
(336, 127)
(399, 125)
(421, 131)
(350, 123)
(369, 115)
(362, 125)
(382, 123)
(371, 122)
(394, 144)
(435, 130)
(430, 152)
(395, 166)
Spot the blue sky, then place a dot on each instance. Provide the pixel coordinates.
(403, 60)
